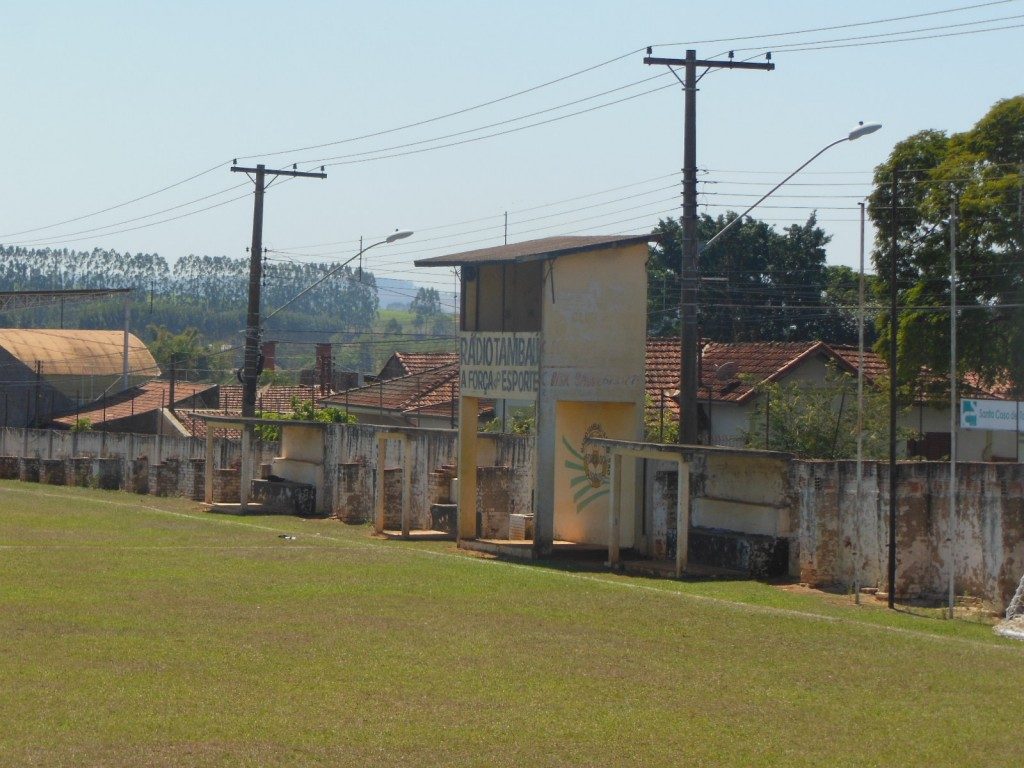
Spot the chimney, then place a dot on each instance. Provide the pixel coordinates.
(269, 351)
(324, 367)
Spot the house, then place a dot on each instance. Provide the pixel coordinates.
(427, 397)
(152, 408)
(54, 371)
(408, 363)
(731, 373)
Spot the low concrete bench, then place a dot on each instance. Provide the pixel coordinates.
(285, 497)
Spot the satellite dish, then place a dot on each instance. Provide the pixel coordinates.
(727, 371)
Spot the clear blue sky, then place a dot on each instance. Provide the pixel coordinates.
(106, 101)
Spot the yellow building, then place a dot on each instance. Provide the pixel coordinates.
(561, 322)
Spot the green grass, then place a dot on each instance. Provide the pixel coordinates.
(141, 631)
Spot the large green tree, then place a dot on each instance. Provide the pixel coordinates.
(756, 283)
(981, 169)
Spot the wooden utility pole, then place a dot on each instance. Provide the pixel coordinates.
(252, 324)
(688, 379)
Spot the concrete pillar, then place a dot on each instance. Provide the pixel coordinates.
(378, 509)
(682, 517)
(210, 461)
(326, 501)
(544, 457)
(614, 509)
(406, 485)
(245, 471)
(469, 412)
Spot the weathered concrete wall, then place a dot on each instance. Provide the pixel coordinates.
(740, 491)
(226, 485)
(988, 534)
(51, 471)
(493, 496)
(170, 466)
(354, 447)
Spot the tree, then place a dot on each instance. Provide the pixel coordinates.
(756, 283)
(819, 421)
(183, 351)
(425, 305)
(982, 169)
(392, 326)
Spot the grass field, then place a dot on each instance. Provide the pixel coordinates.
(141, 631)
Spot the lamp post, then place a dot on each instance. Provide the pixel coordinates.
(689, 392)
(399, 234)
(862, 129)
(860, 412)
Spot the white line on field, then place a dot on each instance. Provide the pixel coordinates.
(382, 547)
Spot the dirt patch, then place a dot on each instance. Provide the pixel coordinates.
(967, 608)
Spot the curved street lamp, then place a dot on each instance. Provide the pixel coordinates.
(398, 234)
(688, 346)
(862, 129)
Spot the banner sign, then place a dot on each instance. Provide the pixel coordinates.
(499, 365)
(998, 415)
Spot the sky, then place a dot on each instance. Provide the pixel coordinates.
(105, 102)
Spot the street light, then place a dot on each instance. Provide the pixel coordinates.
(398, 234)
(862, 129)
(688, 395)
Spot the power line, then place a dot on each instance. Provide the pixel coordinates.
(137, 218)
(457, 112)
(502, 133)
(785, 47)
(890, 19)
(901, 40)
(507, 121)
(118, 205)
(499, 215)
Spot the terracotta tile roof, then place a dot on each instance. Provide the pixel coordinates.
(137, 400)
(404, 392)
(279, 398)
(999, 390)
(197, 426)
(273, 397)
(875, 366)
(532, 250)
(428, 392)
(417, 362)
(760, 361)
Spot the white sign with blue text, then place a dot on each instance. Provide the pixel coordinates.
(995, 415)
(499, 365)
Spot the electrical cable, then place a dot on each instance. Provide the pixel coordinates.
(888, 20)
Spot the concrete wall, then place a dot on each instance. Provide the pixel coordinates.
(988, 533)
(169, 466)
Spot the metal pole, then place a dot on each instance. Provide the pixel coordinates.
(127, 320)
(953, 226)
(860, 417)
(688, 267)
(893, 331)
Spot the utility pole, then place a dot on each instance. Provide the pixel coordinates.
(894, 327)
(252, 323)
(688, 380)
(953, 425)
